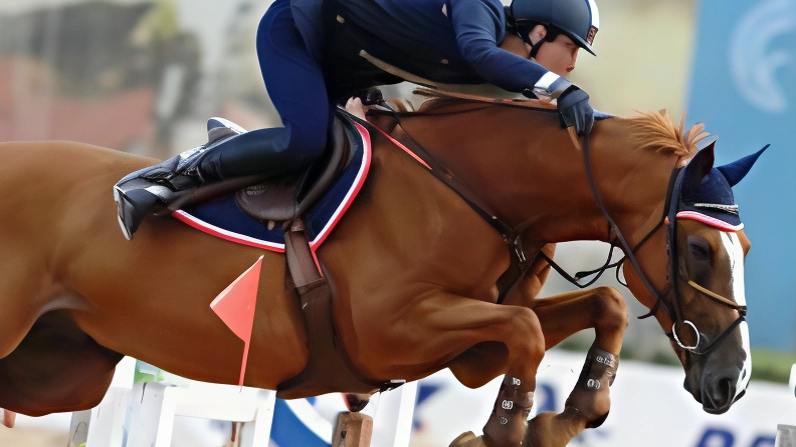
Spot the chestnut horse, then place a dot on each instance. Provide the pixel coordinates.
(413, 270)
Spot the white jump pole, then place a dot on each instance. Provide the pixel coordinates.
(104, 425)
(392, 423)
(792, 380)
(152, 422)
(143, 414)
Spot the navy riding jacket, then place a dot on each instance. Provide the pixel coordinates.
(452, 41)
(309, 54)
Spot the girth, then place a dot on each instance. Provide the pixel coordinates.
(328, 367)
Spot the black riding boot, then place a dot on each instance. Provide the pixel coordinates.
(152, 189)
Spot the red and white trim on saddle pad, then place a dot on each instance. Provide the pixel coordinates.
(328, 223)
(709, 220)
(356, 186)
(221, 233)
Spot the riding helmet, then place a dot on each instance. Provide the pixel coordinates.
(577, 19)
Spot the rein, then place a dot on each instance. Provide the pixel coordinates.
(672, 206)
(520, 264)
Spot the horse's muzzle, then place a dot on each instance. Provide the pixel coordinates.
(717, 392)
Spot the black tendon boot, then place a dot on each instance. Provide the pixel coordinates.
(152, 189)
(591, 396)
(509, 419)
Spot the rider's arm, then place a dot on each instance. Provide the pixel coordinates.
(478, 25)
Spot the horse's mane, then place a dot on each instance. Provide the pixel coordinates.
(657, 131)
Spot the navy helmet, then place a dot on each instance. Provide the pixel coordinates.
(577, 19)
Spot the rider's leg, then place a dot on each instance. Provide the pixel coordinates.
(297, 89)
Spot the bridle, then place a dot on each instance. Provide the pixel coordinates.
(669, 220)
(520, 263)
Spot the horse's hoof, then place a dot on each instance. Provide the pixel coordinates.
(597, 422)
(356, 402)
(468, 439)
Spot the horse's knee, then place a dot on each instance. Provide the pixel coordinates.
(610, 312)
(528, 332)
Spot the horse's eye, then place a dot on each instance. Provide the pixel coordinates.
(699, 248)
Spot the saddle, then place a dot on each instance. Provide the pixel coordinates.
(282, 198)
(287, 198)
(285, 203)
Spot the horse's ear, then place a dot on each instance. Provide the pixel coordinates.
(737, 170)
(698, 167)
(709, 140)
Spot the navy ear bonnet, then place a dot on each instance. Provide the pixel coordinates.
(711, 200)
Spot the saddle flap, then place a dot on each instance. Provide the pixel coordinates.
(286, 198)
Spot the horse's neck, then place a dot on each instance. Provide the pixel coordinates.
(532, 176)
(632, 181)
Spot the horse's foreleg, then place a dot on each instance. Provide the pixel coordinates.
(525, 293)
(450, 325)
(484, 359)
(605, 310)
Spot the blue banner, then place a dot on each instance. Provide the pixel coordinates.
(744, 90)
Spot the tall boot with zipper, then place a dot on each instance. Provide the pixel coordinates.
(152, 189)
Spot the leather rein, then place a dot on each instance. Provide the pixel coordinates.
(520, 264)
(669, 220)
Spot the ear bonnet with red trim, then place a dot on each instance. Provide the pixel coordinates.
(707, 191)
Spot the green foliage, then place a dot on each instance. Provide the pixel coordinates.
(665, 357)
(772, 366)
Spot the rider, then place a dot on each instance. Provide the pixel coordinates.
(315, 53)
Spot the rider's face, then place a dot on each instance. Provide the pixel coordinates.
(558, 56)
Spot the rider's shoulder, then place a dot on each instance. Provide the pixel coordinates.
(491, 4)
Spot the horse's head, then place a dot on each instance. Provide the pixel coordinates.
(702, 308)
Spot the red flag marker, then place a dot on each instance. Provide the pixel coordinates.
(235, 306)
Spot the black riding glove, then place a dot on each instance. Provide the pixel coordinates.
(573, 104)
(574, 110)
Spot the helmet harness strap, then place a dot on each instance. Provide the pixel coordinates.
(525, 31)
(523, 28)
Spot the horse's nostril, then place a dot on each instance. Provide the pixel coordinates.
(722, 392)
(718, 396)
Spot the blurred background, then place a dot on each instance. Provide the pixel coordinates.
(142, 76)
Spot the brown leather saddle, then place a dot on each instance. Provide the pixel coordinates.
(288, 198)
(284, 198)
